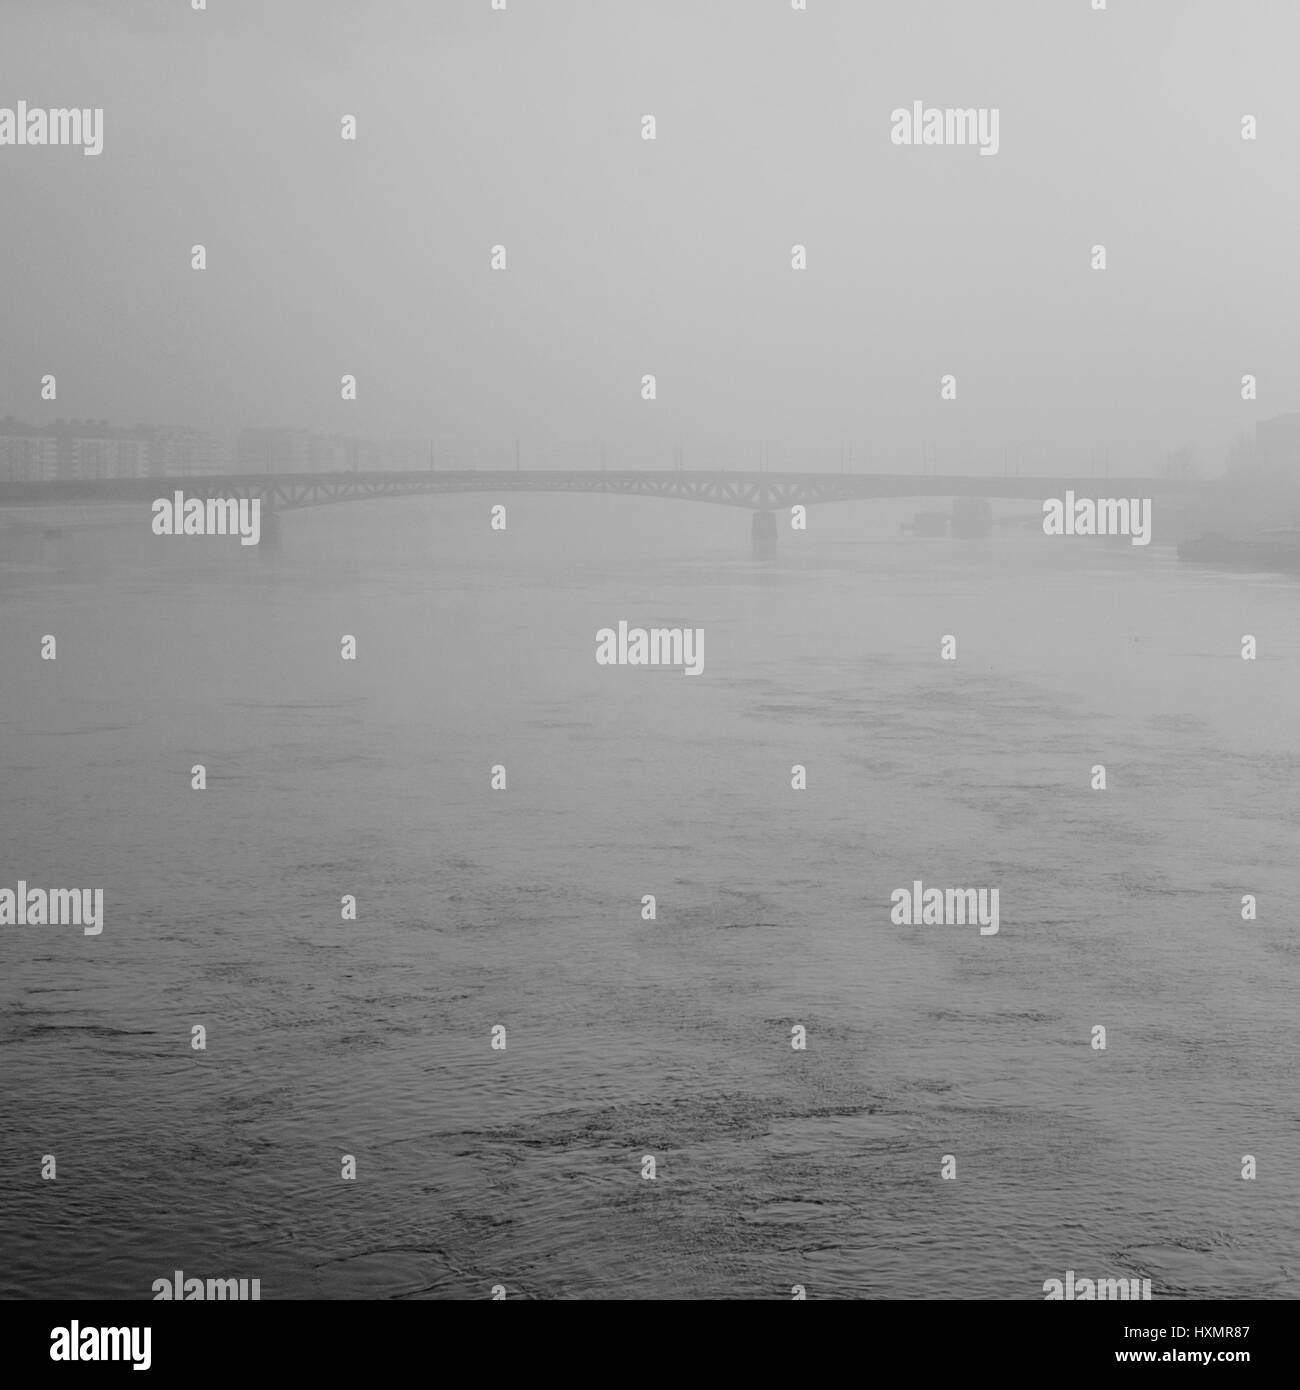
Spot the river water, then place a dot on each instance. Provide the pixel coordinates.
(522, 908)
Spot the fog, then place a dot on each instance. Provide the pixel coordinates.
(671, 257)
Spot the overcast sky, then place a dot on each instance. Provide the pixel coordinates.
(669, 257)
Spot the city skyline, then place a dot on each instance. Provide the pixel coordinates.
(254, 448)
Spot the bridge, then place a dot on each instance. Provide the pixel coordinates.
(759, 492)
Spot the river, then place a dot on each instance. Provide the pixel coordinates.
(628, 1038)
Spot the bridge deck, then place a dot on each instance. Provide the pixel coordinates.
(286, 491)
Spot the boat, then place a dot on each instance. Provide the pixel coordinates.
(928, 524)
(1277, 548)
(971, 517)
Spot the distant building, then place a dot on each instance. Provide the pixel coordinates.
(277, 449)
(71, 449)
(96, 449)
(78, 449)
(391, 455)
(1277, 443)
(26, 455)
(180, 451)
(281, 450)
(264, 450)
(327, 453)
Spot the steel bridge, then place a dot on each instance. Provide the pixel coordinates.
(754, 491)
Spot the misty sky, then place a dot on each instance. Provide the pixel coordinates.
(672, 257)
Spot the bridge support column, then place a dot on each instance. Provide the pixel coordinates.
(270, 537)
(763, 534)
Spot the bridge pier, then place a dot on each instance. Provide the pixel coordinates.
(270, 536)
(763, 534)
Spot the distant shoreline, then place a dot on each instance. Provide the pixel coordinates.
(71, 516)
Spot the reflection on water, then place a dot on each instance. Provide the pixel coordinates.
(522, 908)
